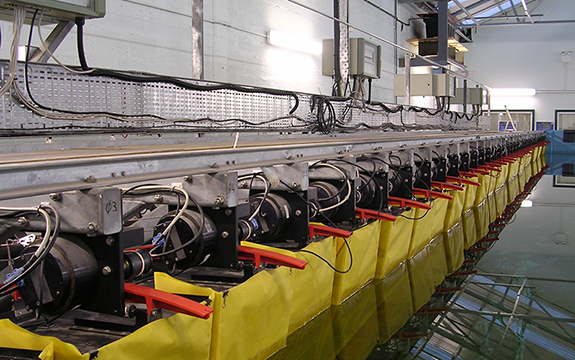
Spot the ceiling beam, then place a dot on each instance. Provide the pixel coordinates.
(543, 22)
(514, 9)
(499, 6)
(466, 12)
(527, 11)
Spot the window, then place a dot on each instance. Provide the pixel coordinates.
(565, 119)
(523, 120)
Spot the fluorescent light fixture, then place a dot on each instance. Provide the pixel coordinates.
(294, 42)
(527, 203)
(512, 92)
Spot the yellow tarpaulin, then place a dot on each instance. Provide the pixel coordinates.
(393, 294)
(483, 190)
(470, 195)
(501, 199)
(364, 244)
(492, 208)
(502, 177)
(437, 259)
(13, 336)
(394, 243)
(420, 278)
(267, 295)
(454, 242)
(455, 207)
(429, 224)
(351, 315)
(314, 341)
(360, 346)
(469, 228)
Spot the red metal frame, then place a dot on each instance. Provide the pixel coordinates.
(321, 230)
(155, 299)
(479, 171)
(260, 256)
(403, 203)
(363, 214)
(430, 193)
(447, 290)
(446, 186)
(489, 167)
(460, 181)
(467, 174)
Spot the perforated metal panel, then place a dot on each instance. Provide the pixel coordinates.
(166, 106)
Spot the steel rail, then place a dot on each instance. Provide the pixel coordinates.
(40, 172)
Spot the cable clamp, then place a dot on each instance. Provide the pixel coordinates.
(14, 274)
(158, 239)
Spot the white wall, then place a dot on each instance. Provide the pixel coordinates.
(528, 56)
(155, 36)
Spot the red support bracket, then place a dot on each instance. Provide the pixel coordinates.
(467, 174)
(409, 335)
(462, 181)
(464, 273)
(446, 186)
(447, 290)
(489, 167)
(259, 256)
(430, 193)
(469, 261)
(489, 240)
(160, 299)
(502, 161)
(433, 310)
(479, 171)
(321, 230)
(406, 202)
(478, 249)
(363, 214)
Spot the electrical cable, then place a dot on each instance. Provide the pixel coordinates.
(17, 22)
(266, 192)
(177, 82)
(47, 48)
(330, 265)
(347, 183)
(310, 204)
(48, 240)
(417, 218)
(165, 234)
(342, 172)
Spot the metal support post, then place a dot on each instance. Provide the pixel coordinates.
(407, 77)
(198, 39)
(53, 41)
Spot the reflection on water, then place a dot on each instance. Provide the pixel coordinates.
(519, 305)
